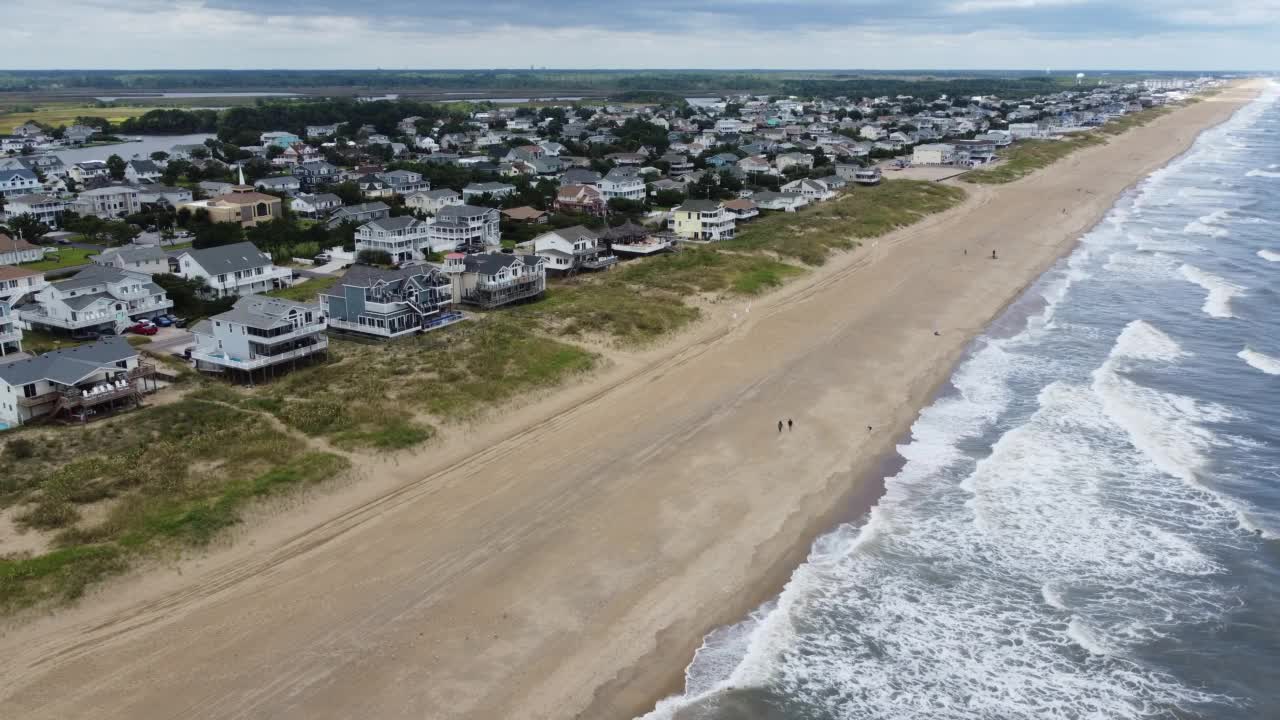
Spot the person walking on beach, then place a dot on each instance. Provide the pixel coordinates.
(788, 423)
(779, 426)
(993, 254)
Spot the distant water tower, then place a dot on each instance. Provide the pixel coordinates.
(1079, 78)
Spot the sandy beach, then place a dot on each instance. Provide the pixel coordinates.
(565, 559)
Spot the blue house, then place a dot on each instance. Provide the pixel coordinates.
(385, 303)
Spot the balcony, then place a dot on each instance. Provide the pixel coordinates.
(7, 336)
(225, 360)
(493, 294)
(296, 334)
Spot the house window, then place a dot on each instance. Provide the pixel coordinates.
(29, 390)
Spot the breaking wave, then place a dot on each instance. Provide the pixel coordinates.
(1259, 361)
(1221, 291)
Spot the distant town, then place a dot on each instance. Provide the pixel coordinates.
(292, 221)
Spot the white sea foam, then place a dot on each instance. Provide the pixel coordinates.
(1082, 635)
(1263, 173)
(1221, 290)
(1259, 361)
(1269, 256)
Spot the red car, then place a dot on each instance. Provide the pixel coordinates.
(143, 329)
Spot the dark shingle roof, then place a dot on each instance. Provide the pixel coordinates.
(229, 258)
(68, 366)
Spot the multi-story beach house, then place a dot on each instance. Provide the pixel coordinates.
(236, 269)
(814, 190)
(21, 181)
(403, 238)
(570, 250)
(16, 250)
(581, 199)
(16, 282)
(494, 190)
(44, 208)
(386, 303)
(146, 259)
(316, 173)
(404, 182)
(10, 333)
(86, 170)
(138, 171)
(76, 384)
(933, 154)
(315, 206)
(490, 280)
(702, 221)
(786, 202)
(258, 336)
(166, 195)
(466, 227)
(96, 298)
(431, 201)
(108, 203)
(622, 184)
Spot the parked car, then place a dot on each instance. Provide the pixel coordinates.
(143, 329)
(179, 322)
(163, 320)
(321, 259)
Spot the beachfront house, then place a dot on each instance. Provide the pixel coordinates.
(490, 280)
(385, 303)
(96, 298)
(466, 227)
(702, 221)
(786, 202)
(16, 282)
(16, 250)
(933, 154)
(10, 333)
(622, 184)
(742, 209)
(145, 259)
(813, 190)
(258, 337)
(570, 250)
(236, 269)
(75, 384)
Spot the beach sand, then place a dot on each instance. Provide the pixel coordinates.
(566, 559)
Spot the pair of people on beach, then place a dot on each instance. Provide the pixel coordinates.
(789, 424)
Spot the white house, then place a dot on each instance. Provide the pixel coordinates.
(16, 250)
(236, 269)
(146, 259)
(755, 164)
(44, 208)
(466, 227)
(933, 154)
(10, 333)
(280, 184)
(94, 298)
(403, 238)
(491, 280)
(786, 161)
(15, 282)
(108, 202)
(259, 333)
(622, 184)
(813, 190)
(136, 171)
(170, 195)
(569, 250)
(75, 383)
(314, 206)
(493, 189)
(432, 201)
(786, 202)
(86, 170)
(18, 182)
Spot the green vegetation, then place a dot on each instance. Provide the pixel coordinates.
(57, 114)
(810, 235)
(386, 395)
(1027, 156)
(168, 477)
(65, 257)
(305, 291)
(1125, 123)
(42, 341)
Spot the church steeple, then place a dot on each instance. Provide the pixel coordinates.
(242, 186)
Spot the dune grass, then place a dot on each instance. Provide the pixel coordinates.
(164, 477)
(1125, 123)
(1027, 156)
(810, 235)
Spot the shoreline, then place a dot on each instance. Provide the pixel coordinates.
(596, 562)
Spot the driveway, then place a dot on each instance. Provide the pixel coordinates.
(171, 340)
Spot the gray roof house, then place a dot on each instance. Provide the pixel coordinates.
(362, 213)
(96, 297)
(387, 303)
(77, 383)
(259, 336)
(148, 259)
(235, 269)
(490, 280)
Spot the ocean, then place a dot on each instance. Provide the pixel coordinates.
(1086, 524)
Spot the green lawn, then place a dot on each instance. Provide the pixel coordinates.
(63, 258)
(305, 291)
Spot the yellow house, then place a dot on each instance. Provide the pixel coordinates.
(247, 208)
(702, 220)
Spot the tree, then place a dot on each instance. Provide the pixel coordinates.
(159, 156)
(116, 166)
(348, 192)
(28, 227)
(191, 298)
(217, 234)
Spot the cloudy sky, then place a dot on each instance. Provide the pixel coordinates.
(1062, 34)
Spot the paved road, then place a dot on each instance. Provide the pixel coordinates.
(171, 339)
